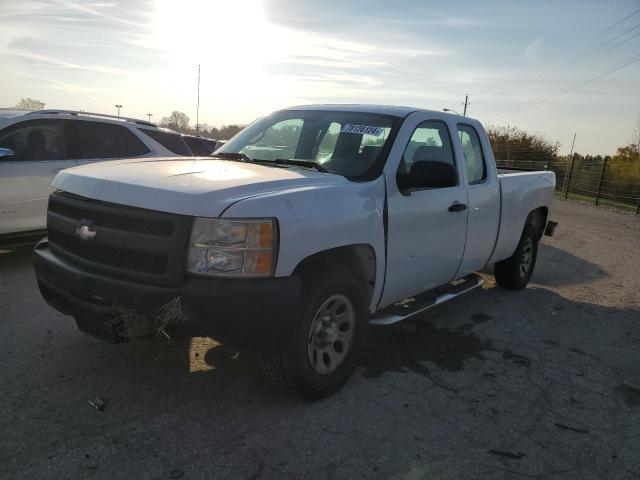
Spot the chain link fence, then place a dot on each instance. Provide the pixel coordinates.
(603, 181)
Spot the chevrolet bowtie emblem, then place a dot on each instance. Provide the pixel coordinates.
(85, 232)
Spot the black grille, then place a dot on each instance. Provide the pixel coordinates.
(130, 242)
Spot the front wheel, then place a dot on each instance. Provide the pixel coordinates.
(515, 272)
(321, 356)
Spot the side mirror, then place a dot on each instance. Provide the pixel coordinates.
(428, 174)
(219, 143)
(6, 153)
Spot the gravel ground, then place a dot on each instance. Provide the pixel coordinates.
(542, 383)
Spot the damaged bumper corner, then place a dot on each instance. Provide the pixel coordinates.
(260, 313)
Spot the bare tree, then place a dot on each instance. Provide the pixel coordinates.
(30, 104)
(178, 121)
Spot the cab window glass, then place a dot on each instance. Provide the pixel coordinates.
(430, 142)
(35, 140)
(277, 141)
(473, 157)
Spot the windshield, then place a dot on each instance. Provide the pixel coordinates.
(345, 143)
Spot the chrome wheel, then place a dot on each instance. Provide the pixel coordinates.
(331, 334)
(526, 257)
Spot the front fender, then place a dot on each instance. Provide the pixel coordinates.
(317, 218)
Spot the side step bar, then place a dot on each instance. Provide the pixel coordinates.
(412, 306)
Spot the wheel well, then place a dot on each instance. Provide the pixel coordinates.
(538, 219)
(360, 258)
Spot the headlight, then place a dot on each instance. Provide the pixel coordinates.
(236, 248)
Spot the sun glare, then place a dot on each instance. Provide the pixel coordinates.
(232, 40)
(222, 31)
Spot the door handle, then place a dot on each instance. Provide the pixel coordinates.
(457, 207)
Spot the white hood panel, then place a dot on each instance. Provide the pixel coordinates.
(200, 187)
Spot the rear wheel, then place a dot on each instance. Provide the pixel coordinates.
(515, 272)
(321, 356)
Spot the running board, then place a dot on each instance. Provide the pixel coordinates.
(412, 306)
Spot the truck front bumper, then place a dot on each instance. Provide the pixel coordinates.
(260, 313)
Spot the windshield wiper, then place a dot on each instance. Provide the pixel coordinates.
(241, 157)
(295, 162)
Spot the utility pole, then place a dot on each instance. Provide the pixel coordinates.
(198, 106)
(149, 115)
(568, 179)
(118, 107)
(466, 103)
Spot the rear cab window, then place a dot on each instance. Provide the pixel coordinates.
(171, 141)
(475, 163)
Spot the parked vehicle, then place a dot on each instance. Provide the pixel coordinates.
(307, 226)
(34, 146)
(200, 146)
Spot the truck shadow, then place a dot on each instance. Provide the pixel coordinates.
(445, 340)
(567, 268)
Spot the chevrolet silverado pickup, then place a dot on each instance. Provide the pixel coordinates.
(305, 228)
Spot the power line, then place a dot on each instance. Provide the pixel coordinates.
(549, 67)
(570, 88)
(593, 51)
(618, 22)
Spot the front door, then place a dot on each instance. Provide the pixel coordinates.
(40, 149)
(425, 236)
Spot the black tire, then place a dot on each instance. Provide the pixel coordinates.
(295, 362)
(515, 272)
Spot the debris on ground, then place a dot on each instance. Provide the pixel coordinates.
(176, 474)
(573, 429)
(508, 454)
(169, 314)
(130, 323)
(97, 403)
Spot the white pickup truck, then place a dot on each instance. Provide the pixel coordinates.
(310, 224)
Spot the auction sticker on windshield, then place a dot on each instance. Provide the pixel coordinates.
(363, 129)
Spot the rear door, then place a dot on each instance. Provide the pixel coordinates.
(483, 198)
(425, 238)
(41, 151)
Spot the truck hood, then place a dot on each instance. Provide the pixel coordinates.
(200, 187)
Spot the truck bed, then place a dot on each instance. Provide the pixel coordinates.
(520, 193)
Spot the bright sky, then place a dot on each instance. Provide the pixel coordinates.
(518, 61)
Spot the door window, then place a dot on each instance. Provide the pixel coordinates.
(473, 157)
(171, 141)
(197, 146)
(430, 142)
(35, 140)
(90, 140)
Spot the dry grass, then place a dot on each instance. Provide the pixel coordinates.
(131, 323)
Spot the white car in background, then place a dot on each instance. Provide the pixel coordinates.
(35, 146)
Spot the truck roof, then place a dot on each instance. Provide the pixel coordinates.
(396, 111)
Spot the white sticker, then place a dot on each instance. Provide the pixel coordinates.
(362, 129)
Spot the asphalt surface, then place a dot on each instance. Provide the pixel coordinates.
(542, 383)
